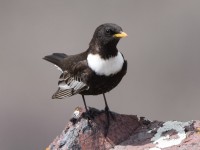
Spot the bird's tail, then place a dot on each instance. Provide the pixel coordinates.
(56, 58)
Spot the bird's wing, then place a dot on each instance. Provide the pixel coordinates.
(69, 85)
(73, 81)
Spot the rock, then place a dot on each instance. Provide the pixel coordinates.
(126, 132)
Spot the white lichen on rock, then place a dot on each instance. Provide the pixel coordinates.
(163, 141)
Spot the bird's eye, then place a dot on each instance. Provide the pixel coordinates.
(108, 31)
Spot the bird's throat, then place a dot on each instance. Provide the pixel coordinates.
(106, 51)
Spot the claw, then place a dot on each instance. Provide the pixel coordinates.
(88, 127)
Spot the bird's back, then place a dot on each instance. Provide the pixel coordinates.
(70, 62)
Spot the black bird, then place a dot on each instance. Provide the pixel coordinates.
(96, 71)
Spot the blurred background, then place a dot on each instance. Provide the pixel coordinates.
(162, 49)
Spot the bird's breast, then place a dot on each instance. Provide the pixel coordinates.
(105, 66)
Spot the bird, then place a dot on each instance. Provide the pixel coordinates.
(95, 71)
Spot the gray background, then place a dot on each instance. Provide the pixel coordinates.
(162, 49)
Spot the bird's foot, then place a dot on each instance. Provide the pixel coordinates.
(87, 115)
(90, 115)
(109, 115)
(87, 127)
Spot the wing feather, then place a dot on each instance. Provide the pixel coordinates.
(69, 85)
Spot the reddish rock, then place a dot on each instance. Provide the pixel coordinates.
(126, 132)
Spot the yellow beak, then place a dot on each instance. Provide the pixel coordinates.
(120, 35)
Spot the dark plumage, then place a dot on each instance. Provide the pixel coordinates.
(97, 70)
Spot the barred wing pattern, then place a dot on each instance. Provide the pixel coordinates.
(69, 85)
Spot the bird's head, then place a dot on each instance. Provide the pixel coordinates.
(107, 35)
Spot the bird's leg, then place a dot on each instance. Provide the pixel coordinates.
(107, 109)
(85, 104)
(108, 114)
(87, 112)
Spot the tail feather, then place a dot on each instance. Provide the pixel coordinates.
(56, 58)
